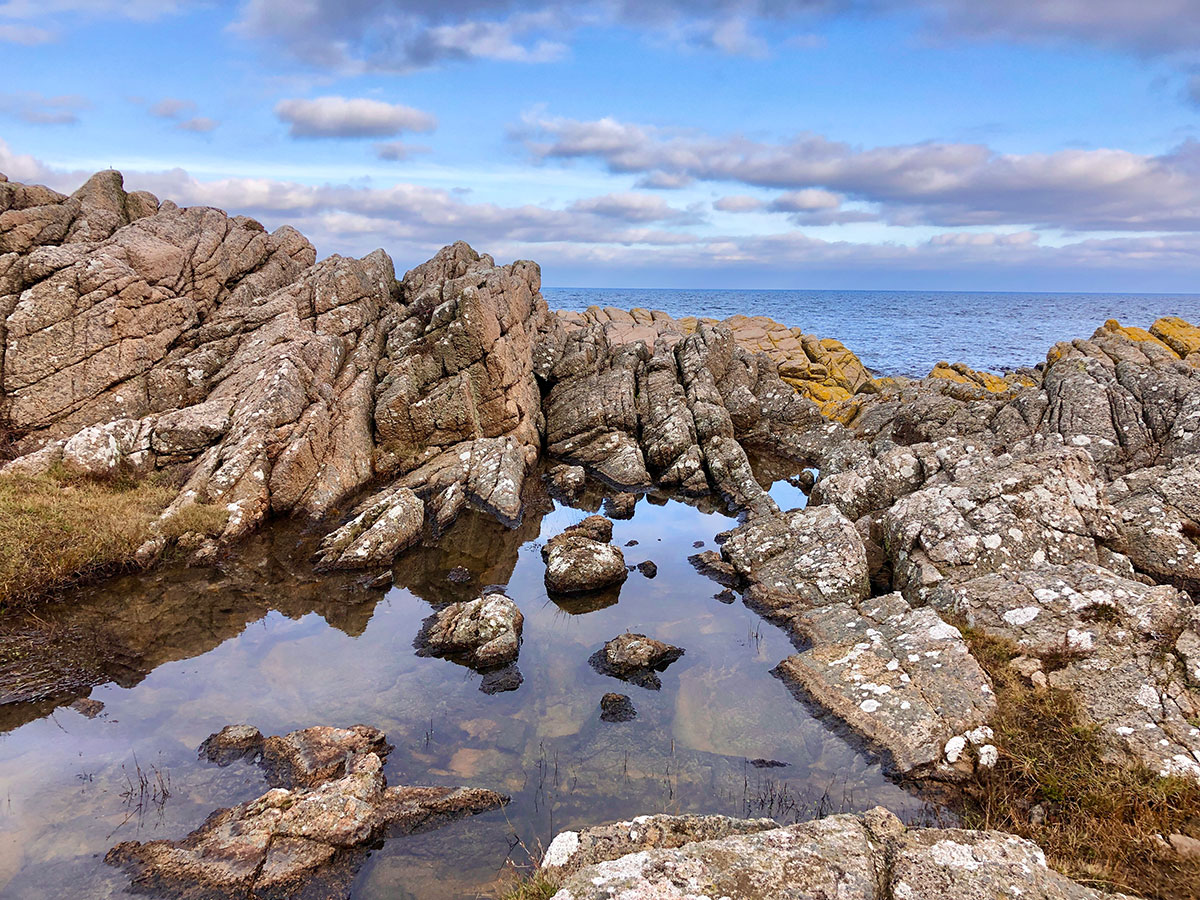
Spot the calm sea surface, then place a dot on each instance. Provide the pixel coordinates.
(906, 332)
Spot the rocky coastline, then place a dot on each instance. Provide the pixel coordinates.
(1052, 512)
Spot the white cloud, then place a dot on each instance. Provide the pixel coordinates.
(351, 117)
(172, 108)
(28, 35)
(926, 183)
(198, 124)
(738, 203)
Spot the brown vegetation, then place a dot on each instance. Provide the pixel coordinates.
(1100, 822)
(56, 529)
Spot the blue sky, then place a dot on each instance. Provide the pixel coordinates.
(928, 144)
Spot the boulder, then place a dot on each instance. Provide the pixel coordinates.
(484, 633)
(635, 658)
(617, 708)
(581, 559)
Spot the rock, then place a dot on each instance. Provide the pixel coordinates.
(380, 529)
(997, 513)
(854, 857)
(459, 575)
(307, 836)
(648, 568)
(571, 851)
(567, 480)
(901, 677)
(620, 506)
(499, 681)
(616, 708)
(231, 743)
(581, 559)
(1184, 846)
(635, 658)
(485, 633)
(1158, 521)
(710, 564)
(814, 554)
(725, 596)
(88, 707)
(1104, 638)
(768, 764)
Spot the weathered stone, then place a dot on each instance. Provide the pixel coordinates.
(485, 633)
(231, 743)
(581, 559)
(567, 480)
(306, 836)
(901, 677)
(865, 857)
(571, 851)
(635, 658)
(1158, 521)
(814, 554)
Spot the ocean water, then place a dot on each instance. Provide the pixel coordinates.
(907, 332)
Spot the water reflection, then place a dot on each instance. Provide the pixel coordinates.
(177, 654)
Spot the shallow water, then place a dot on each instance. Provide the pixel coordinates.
(907, 332)
(178, 653)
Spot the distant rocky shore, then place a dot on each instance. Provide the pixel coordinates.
(1054, 511)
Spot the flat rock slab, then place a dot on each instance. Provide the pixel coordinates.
(1116, 644)
(901, 677)
(384, 525)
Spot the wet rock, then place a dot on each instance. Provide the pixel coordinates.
(635, 658)
(485, 633)
(499, 681)
(307, 836)
(631, 543)
(901, 677)
(231, 743)
(88, 707)
(567, 480)
(855, 857)
(768, 764)
(697, 544)
(710, 564)
(648, 568)
(571, 851)
(388, 524)
(620, 506)
(616, 708)
(581, 559)
(725, 596)
(459, 575)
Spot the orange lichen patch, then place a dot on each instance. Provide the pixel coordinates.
(995, 384)
(1132, 332)
(1180, 335)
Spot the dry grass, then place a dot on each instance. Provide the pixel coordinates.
(534, 887)
(56, 530)
(1100, 823)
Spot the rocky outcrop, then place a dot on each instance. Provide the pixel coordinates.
(329, 802)
(868, 857)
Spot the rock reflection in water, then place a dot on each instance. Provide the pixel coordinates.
(177, 654)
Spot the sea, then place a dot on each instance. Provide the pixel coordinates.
(907, 332)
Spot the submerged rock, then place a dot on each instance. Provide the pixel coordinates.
(308, 833)
(617, 708)
(485, 633)
(567, 480)
(635, 658)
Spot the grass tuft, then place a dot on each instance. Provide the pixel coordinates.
(1100, 822)
(533, 887)
(56, 529)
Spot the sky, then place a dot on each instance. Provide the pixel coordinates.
(1029, 145)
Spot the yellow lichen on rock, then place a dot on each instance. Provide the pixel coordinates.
(996, 384)
(1180, 335)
